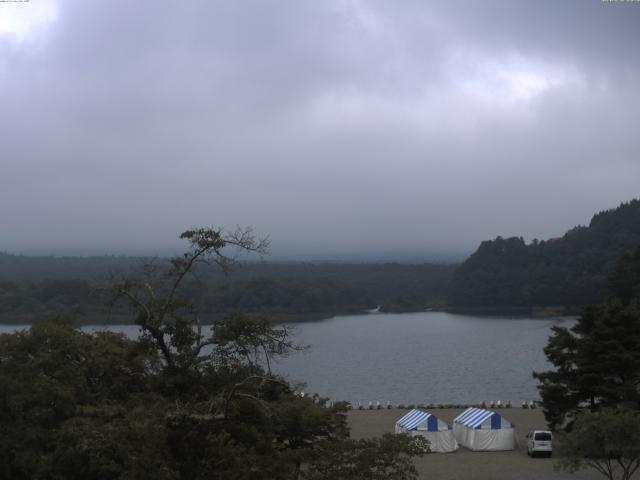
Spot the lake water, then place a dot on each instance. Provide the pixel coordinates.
(427, 357)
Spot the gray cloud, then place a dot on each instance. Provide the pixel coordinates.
(333, 126)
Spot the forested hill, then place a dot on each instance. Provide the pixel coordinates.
(570, 271)
(31, 288)
(23, 268)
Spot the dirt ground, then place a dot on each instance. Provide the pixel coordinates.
(465, 464)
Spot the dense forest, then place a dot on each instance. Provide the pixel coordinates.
(567, 272)
(505, 275)
(32, 287)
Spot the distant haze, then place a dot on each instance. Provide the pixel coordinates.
(341, 128)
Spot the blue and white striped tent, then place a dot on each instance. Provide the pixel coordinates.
(427, 425)
(479, 429)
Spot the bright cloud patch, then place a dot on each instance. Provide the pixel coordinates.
(20, 20)
(508, 80)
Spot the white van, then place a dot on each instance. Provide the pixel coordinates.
(539, 442)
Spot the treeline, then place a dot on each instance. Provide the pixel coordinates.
(505, 275)
(287, 292)
(395, 287)
(22, 268)
(286, 295)
(24, 301)
(568, 272)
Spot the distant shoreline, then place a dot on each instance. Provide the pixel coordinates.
(99, 318)
(528, 311)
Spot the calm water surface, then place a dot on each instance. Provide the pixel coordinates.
(428, 357)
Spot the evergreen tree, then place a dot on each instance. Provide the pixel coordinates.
(597, 361)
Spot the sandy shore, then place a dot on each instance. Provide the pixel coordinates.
(467, 465)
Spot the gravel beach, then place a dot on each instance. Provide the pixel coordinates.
(467, 465)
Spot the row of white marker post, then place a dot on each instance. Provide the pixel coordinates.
(379, 405)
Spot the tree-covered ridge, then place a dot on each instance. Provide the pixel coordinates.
(286, 295)
(26, 269)
(289, 291)
(567, 272)
(570, 271)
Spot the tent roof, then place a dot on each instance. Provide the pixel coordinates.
(412, 419)
(474, 417)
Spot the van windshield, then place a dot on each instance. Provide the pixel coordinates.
(545, 436)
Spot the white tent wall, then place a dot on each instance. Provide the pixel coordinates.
(483, 430)
(424, 424)
(439, 442)
(486, 440)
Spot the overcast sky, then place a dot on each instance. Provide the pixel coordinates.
(337, 127)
